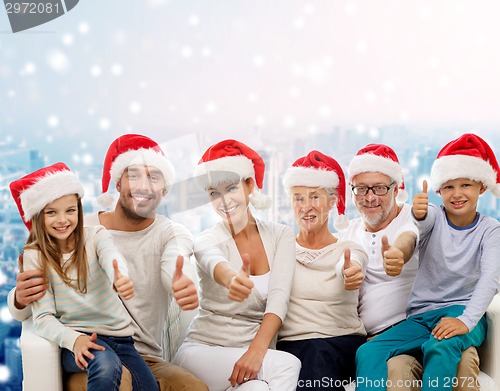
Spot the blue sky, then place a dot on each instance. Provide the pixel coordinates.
(220, 69)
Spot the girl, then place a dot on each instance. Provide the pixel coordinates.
(80, 310)
(246, 269)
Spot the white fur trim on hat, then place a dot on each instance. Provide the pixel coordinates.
(309, 177)
(341, 222)
(49, 188)
(450, 167)
(260, 201)
(373, 163)
(240, 165)
(143, 157)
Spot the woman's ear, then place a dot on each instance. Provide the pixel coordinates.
(251, 184)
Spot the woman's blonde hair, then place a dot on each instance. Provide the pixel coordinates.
(51, 254)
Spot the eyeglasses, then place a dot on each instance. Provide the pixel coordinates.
(378, 190)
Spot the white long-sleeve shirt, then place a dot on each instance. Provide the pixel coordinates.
(63, 313)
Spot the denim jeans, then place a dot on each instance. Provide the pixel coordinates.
(105, 370)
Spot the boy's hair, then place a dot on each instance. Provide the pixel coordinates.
(51, 254)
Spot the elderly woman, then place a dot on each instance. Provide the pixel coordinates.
(246, 269)
(322, 327)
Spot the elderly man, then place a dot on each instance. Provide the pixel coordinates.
(154, 248)
(389, 236)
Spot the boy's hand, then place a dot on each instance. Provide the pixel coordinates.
(123, 284)
(449, 327)
(183, 288)
(393, 258)
(353, 274)
(81, 349)
(421, 203)
(241, 285)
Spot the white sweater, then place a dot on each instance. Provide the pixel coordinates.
(63, 313)
(319, 305)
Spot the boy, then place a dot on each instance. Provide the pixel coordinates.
(458, 273)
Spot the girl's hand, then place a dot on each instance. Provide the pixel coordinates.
(247, 367)
(449, 327)
(123, 284)
(82, 347)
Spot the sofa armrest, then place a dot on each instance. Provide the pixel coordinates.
(41, 361)
(489, 352)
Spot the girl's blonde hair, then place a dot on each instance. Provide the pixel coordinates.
(51, 254)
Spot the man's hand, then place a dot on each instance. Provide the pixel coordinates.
(241, 285)
(421, 203)
(393, 258)
(353, 274)
(123, 284)
(30, 286)
(81, 349)
(449, 327)
(183, 287)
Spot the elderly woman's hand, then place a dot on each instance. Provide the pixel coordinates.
(353, 274)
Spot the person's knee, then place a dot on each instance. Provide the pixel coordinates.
(468, 371)
(404, 369)
(105, 364)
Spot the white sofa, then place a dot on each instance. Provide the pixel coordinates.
(42, 367)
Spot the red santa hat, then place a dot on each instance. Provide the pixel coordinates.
(35, 191)
(318, 170)
(128, 150)
(379, 158)
(231, 160)
(469, 156)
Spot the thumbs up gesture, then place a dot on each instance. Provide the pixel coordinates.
(393, 258)
(421, 203)
(183, 288)
(353, 274)
(241, 285)
(123, 284)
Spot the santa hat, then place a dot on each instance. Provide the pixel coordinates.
(379, 158)
(469, 156)
(128, 150)
(318, 170)
(231, 160)
(35, 191)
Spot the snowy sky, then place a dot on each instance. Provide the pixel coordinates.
(223, 68)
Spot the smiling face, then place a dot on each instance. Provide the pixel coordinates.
(60, 218)
(141, 190)
(376, 211)
(460, 197)
(311, 206)
(230, 200)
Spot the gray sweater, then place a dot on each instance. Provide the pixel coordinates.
(221, 321)
(458, 265)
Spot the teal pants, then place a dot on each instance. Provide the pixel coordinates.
(441, 358)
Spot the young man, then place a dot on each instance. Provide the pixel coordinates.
(153, 246)
(388, 234)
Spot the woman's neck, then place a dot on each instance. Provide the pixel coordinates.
(243, 228)
(316, 239)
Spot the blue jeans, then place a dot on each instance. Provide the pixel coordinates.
(105, 370)
(441, 358)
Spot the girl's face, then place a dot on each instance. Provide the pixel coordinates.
(311, 206)
(230, 200)
(60, 219)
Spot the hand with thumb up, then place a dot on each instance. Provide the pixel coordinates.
(183, 287)
(353, 274)
(241, 285)
(393, 258)
(123, 284)
(421, 203)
